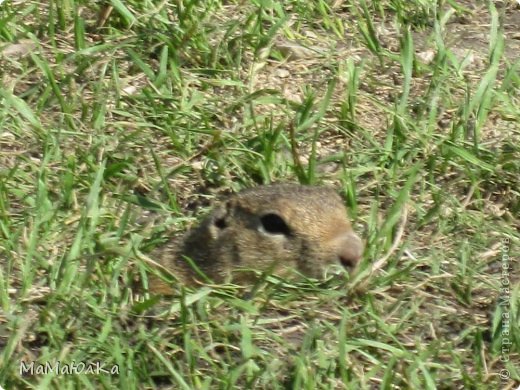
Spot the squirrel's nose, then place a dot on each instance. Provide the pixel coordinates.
(350, 250)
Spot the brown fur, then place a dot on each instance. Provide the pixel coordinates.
(268, 228)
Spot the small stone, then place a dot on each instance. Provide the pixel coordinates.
(197, 165)
(18, 50)
(426, 56)
(129, 90)
(282, 73)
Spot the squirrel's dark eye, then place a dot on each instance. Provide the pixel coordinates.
(274, 224)
(221, 223)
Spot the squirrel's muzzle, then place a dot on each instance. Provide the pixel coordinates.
(349, 250)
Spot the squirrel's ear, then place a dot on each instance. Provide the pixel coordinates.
(219, 219)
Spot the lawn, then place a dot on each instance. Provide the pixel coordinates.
(123, 122)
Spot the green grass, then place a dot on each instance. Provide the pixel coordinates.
(118, 129)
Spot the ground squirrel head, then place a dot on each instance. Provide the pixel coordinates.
(274, 228)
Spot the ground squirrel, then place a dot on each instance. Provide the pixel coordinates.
(271, 228)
